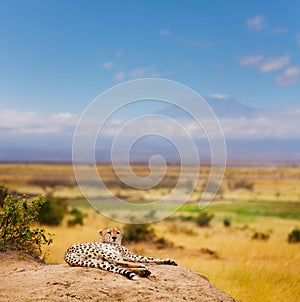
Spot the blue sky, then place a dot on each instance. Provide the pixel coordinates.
(57, 56)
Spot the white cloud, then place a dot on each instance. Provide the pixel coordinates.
(256, 23)
(32, 129)
(119, 76)
(263, 64)
(275, 63)
(144, 125)
(289, 76)
(165, 32)
(259, 23)
(107, 65)
(268, 124)
(33, 123)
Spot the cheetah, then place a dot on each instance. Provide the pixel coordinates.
(111, 256)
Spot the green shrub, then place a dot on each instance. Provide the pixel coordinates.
(204, 218)
(3, 194)
(53, 211)
(294, 236)
(187, 217)
(78, 217)
(16, 216)
(227, 222)
(138, 232)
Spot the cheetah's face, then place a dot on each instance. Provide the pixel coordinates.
(111, 235)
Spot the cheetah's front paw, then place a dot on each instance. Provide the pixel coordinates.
(144, 273)
(170, 262)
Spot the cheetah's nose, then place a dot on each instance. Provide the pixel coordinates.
(114, 238)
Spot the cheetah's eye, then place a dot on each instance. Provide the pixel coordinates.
(118, 232)
(109, 232)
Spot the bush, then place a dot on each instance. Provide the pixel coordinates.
(294, 236)
(241, 184)
(260, 236)
(209, 252)
(187, 218)
(162, 243)
(78, 217)
(15, 218)
(3, 194)
(48, 185)
(204, 218)
(227, 222)
(138, 232)
(53, 211)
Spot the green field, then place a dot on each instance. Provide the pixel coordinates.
(240, 211)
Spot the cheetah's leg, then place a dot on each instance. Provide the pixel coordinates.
(138, 268)
(117, 260)
(143, 259)
(135, 267)
(130, 264)
(75, 260)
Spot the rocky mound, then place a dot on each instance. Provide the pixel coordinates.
(28, 280)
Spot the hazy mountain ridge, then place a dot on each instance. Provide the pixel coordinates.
(222, 107)
(251, 135)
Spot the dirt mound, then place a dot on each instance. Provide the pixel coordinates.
(28, 280)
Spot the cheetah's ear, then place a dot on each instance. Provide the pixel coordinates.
(100, 232)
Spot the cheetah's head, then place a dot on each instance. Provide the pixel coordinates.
(111, 235)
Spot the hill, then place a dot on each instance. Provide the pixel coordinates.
(29, 280)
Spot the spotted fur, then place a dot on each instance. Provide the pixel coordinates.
(110, 255)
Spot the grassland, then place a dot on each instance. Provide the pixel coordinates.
(255, 199)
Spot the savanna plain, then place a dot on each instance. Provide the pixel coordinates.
(243, 249)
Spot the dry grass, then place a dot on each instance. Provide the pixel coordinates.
(251, 270)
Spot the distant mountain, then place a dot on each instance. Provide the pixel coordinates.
(229, 107)
(221, 106)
